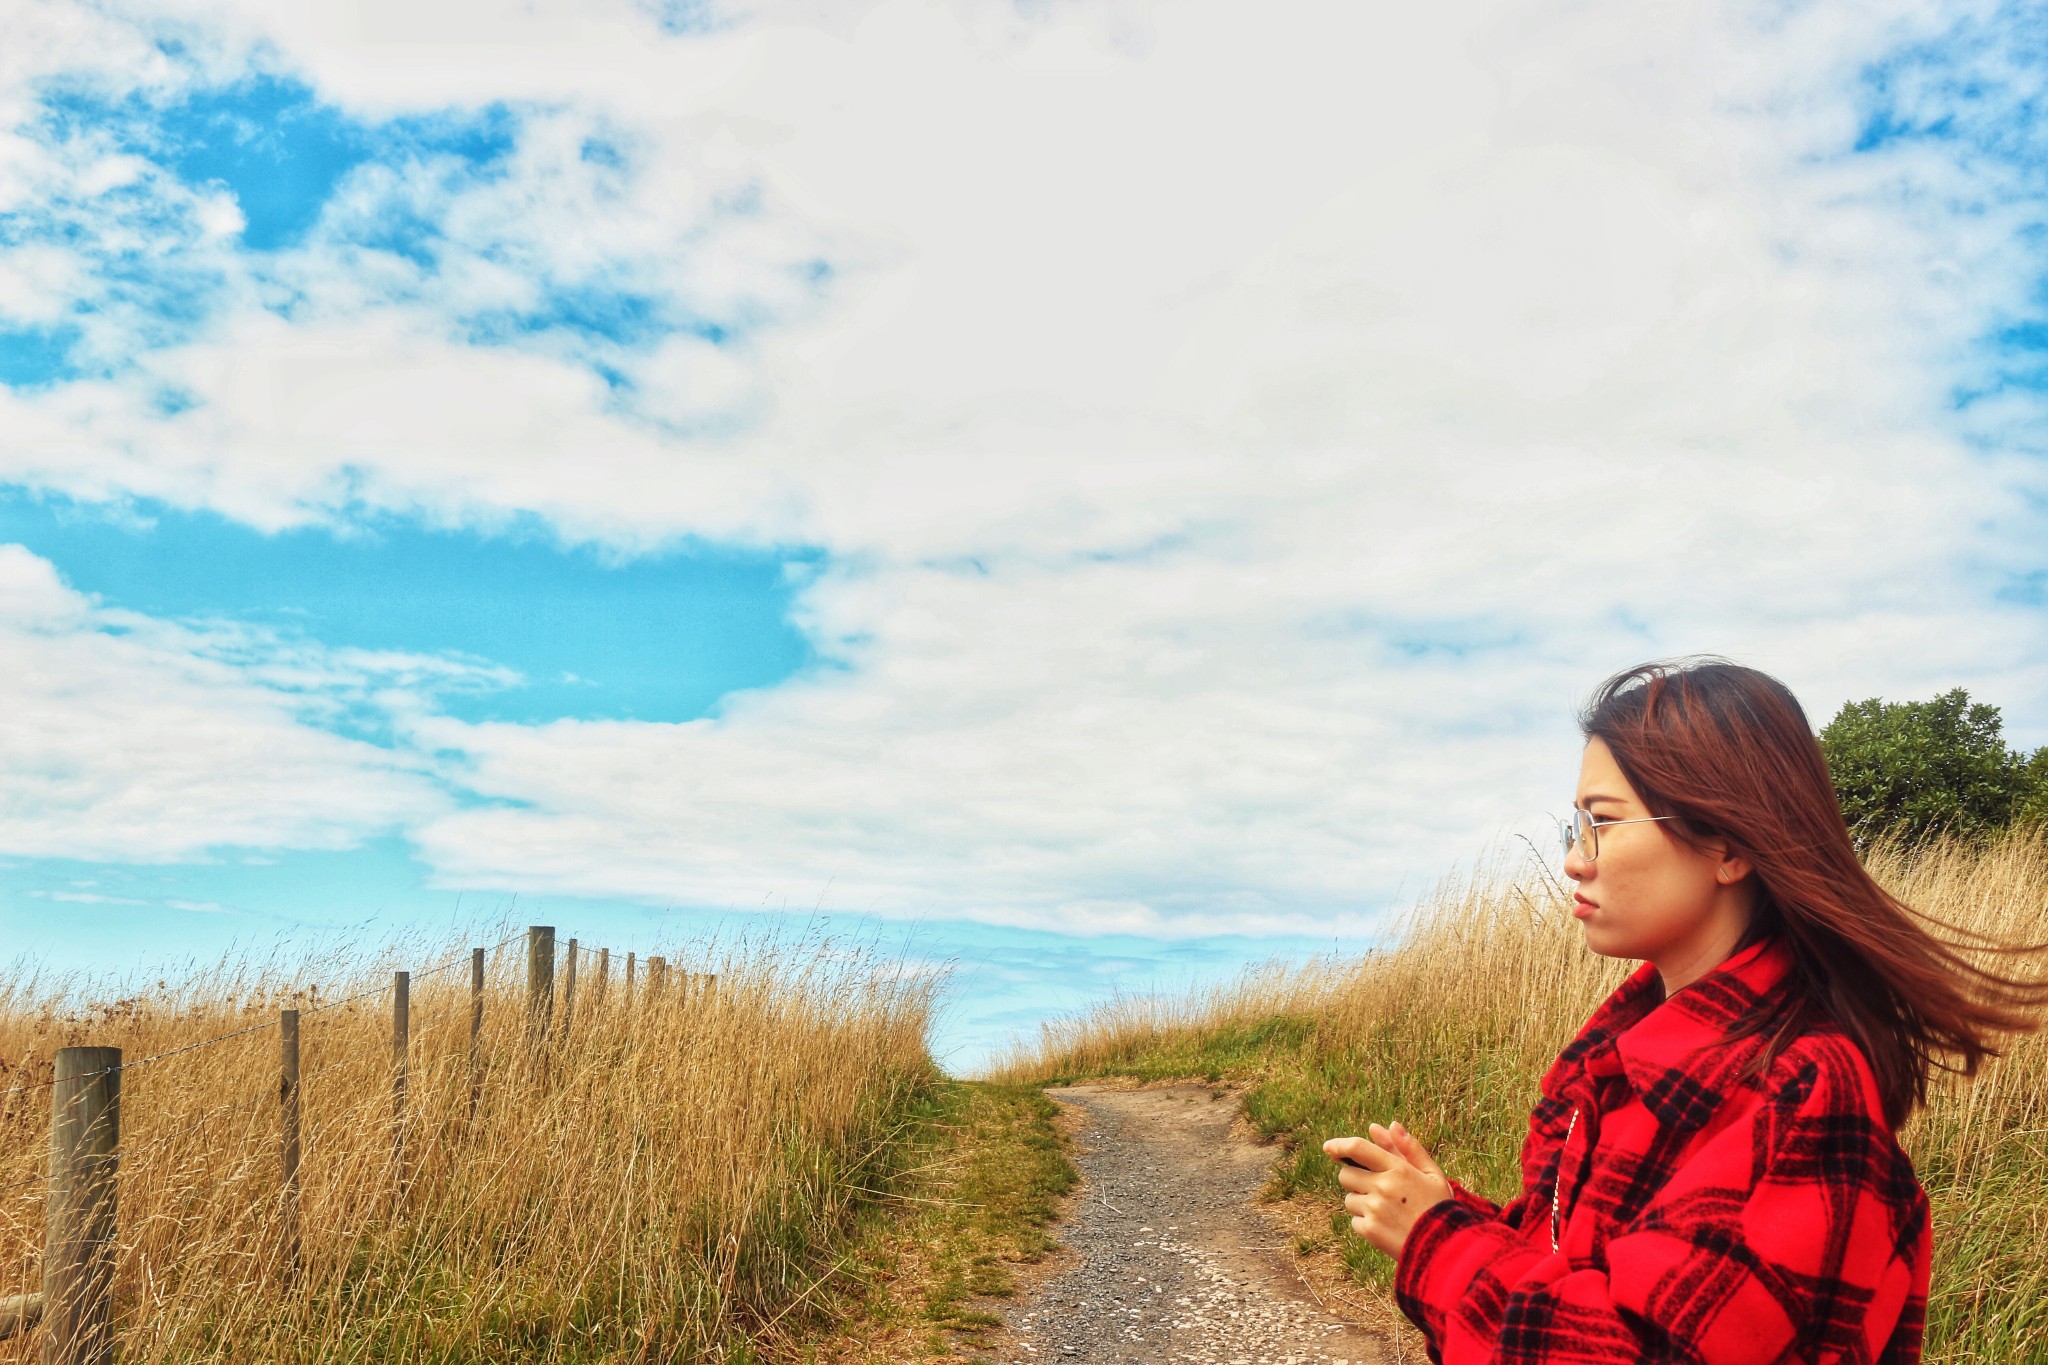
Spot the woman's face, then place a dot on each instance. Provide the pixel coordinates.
(1649, 895)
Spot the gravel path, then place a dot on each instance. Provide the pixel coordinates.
(1165, 1259)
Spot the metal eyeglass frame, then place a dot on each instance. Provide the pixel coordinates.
(1583, 829)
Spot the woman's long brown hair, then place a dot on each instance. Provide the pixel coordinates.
(1728, 751)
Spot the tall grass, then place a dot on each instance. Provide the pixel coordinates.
(1450, 1029)
(677, 1185)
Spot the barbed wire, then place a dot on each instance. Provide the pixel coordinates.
(449, 965)
(25, 1088)
(189, 1047)
(187, 1129)
(29, 1087)
(325, 1005)
(318, 1008)
(126, 1152)
(144, 1061)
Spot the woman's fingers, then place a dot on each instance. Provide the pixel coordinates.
(1371, 1203)
(1389, 1181)
(1386, 1148)
(1397, 1139)
(1356, 1178)
(1360, 1151)
(1418, 1156)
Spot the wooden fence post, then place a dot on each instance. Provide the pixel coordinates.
(78, 1250)
(476, 1029)
(604, 972)
(20, 1312)
(288, 1135)
(569, 991)
(657, 976)
(540, 993)
(401, 1052)
(629, 980)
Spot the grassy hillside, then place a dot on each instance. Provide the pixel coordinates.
(694, 1177)
(1450, 1029)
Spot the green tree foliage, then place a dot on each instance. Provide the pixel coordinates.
(2033, 806)
(1917, 768)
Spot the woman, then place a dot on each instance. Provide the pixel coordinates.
(1712, 1173)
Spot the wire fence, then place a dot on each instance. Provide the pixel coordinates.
(86, 1147)
(318, 1007)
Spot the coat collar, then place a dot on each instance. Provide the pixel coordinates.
(1676, 1054)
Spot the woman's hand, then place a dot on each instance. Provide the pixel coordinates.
(1398, 1181)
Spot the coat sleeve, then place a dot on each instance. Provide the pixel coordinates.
(1798, 1227)
(1478, 1203)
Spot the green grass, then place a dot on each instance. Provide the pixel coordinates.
(950, 1191)
(992, 1167)
(794, 1271)
(998, 1211)
(1232, 1049)
(1989, 1301)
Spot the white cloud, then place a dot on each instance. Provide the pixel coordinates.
(1239, 436)
(86, 898)
(134, 740)
(36, 284)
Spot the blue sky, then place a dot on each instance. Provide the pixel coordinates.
(966, 472)
(658, 636)
(141, 922)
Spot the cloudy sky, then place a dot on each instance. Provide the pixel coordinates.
(1094, 490)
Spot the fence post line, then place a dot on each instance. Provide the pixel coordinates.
(78, 1250)
(401, 1052)
(569, 991)
(627, 1000)
(604, 973)
(476, 1029)
(288, 1135)
(540, 992)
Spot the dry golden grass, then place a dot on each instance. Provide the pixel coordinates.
(679, 1185)
(1451, 1027)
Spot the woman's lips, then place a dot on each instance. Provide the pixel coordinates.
(1581, 907)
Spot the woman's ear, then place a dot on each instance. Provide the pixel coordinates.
(1730, 869)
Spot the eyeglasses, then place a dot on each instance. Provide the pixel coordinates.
(1581, 833)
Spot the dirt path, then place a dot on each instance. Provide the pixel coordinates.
(1165, 1258)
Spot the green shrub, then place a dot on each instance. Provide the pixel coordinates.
(1910, 770)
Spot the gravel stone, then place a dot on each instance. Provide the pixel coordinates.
(1167, 1258)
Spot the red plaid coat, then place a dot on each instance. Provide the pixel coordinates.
(1703, 1216)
